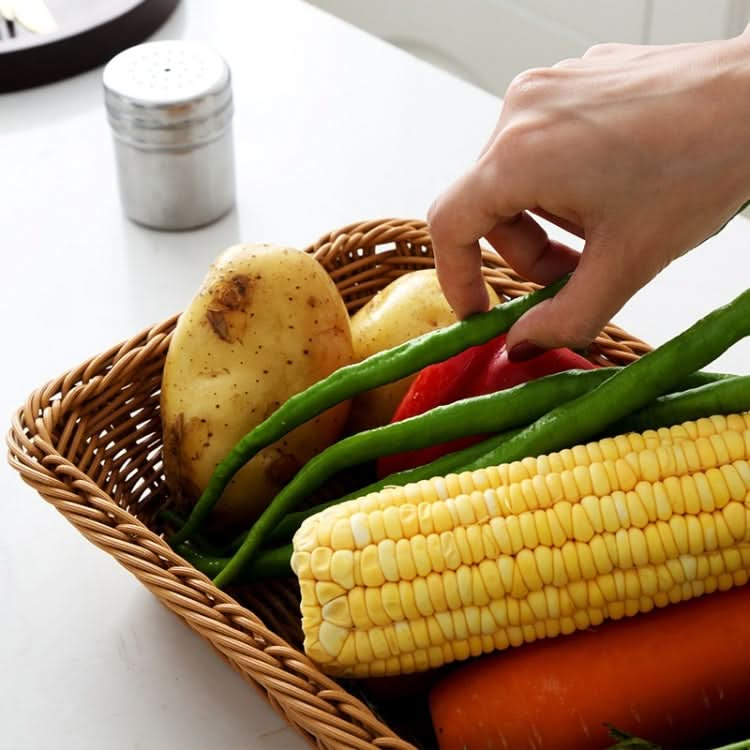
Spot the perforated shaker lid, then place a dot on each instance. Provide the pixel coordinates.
(170, 85)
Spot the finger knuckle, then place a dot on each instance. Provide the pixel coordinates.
(568, 62)
(521, 143)
(577, 334)
(527, 86)
(603, 49)
(437, 221)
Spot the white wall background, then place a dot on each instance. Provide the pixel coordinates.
(487, 42)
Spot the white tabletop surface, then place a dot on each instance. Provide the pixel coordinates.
(331, 126)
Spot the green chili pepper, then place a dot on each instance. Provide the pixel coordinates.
(379, 369)
(727, 396)
(205, 544)
(268, 564)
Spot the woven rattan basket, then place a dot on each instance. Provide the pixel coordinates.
(90, 443)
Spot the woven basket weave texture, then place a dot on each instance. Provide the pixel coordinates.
(89, 442)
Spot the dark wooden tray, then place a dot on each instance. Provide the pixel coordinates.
(90, 33)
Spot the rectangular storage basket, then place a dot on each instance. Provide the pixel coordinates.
(90, 443)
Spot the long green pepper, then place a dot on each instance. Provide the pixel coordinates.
(728, 396)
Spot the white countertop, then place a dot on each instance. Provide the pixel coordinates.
(331, 126)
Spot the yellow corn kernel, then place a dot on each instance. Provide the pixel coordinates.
(673, 490)
(325, 590)
(392, 521)
(582, 528)
(376, 526)
(555, 488)
(420, 555)
(585, 560)
(559, 572)
(626, 476)
(638, 547)
(542, 527)
(537, 487)
(483, 507)
(527, 567)
(600, 554)
(375, 605)
(515, 498)
(610, 542)
(636, 507)
(559, 537)
(391, 603)
(464, 584)
(479, 594)
(544, 564)
(450, 587)
(645, 492)
(733, 479)
(408, 601)
(724, 538)
(610, 518)
(320, 563)
(594, 595)
(435, 553)
(513, 526)
(735, 517)
(518, 587)
(592, 505)
(337, 612)
(371, 572)
(668, 542)
(564, 512)
(449, 549)
(461, 537)
(570, 560)
(656, 553)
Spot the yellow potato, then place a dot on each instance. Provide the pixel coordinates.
(408, 307)
(266, 323)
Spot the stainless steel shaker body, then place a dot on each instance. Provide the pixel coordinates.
(169, 104)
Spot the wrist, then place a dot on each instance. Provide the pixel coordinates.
(729, 104)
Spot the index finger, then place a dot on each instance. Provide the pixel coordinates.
(465, 212)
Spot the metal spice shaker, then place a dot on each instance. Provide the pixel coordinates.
(169, 104)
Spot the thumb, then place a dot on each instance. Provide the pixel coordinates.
(605, 278)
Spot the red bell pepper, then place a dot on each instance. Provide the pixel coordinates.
(474, 372)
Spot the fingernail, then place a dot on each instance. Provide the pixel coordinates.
(524, 350)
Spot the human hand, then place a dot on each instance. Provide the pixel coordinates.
(643, 151)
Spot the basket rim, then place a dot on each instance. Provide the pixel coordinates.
(324, 712)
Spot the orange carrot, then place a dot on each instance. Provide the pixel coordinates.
(671, 676)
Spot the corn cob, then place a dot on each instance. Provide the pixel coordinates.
(414, 577)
